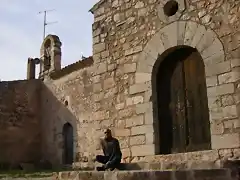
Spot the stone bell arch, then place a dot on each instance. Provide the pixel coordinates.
(50, 55)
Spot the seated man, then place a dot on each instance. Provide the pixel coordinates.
(112, 153)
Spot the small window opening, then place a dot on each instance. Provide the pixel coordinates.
(66, 103)
(170, 8)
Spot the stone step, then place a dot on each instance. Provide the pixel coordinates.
(168, 165)
(203, 174)
(210, 174)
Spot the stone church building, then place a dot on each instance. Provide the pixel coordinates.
(164, 76)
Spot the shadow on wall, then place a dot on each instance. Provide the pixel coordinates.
(20, 133)
(59, 128)
(36, 128)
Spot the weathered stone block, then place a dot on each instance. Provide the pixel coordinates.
(226, 141)
(97, 87)
(96, 39)
(111, 67)
(216, 69)
(229, 77)
(138, 88)
(143, 108)
(150, 139)
(151, 51)
(148, 96)
(122, 132)
(145, 68)
(106, 124)
(105, 54)
(148, 118)
(232, 124)
(96, 79)
(121, 124)
(100, 68)
(119, 106)
(99, 47)
(191, 28)
(137, 130)
(142, 78)
(227, 100)
(214, 102)
(214, 59)
(212, 81)
(207, 40)
(126, 153)
(215, 48)
(217, 127)
(143, 150)
(100, 115)
(217, 174)
(135, 121)
(235, 63)
(109, 83)
(220, 90)
(124, 141)
(169, 35)
(133, 50)
(137, 140)
(228, 112)
(134, 100)
(126, 113)
(98, 97)
(200, 32)
(129, 68)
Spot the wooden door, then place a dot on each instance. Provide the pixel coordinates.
(182, 103)
(177, 108)
(196, 103)
(68, 143)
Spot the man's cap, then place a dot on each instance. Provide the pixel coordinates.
(107, 131)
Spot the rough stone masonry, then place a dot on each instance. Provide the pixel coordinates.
(114, 88)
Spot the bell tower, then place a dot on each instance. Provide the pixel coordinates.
(50, 54)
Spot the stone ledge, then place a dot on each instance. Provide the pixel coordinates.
(214, 174)
(210, 159)
(163, 166)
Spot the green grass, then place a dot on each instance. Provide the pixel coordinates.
(32, 174)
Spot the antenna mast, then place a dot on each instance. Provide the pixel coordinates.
(45, 23)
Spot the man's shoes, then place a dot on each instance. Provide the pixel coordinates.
(100, 168)
(112, 169)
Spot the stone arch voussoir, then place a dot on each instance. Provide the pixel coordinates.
(178, 33)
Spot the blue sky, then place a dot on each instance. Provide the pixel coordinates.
(21, 32)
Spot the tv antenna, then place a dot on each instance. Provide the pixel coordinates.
(45, 23)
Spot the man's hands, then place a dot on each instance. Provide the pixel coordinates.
(106, 165)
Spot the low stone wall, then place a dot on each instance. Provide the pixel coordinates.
(216, 174)
(192, 160)
(211, 159)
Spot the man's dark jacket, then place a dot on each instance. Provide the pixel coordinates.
(111, 149)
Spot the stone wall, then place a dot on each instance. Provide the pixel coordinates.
(116, 91)
(129, 35)
(20, 133)
(69, 98)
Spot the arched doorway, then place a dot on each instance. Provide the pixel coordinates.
(67, 143)
(180, 102)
